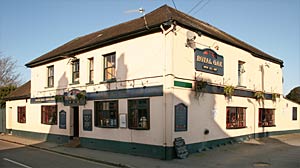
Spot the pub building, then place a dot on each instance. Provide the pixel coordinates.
(136, 87)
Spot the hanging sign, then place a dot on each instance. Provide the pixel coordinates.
(209, 61)
(75, 97)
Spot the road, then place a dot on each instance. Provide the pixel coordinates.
(19, 156)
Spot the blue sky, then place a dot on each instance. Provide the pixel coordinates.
(31, 28)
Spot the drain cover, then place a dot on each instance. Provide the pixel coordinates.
(261, 164)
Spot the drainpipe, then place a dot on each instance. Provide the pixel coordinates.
(165, 33)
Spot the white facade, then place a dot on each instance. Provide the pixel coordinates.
(161, 59)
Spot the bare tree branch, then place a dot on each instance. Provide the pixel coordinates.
(8, 74)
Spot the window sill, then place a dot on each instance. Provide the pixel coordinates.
(241, 86)
(90, 83)
(109, 81)
(77, 83)
(235, 127)
(108, 127)
(49, 87)
(140, 128)
(267, 126)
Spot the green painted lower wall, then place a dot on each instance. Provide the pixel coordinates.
(153, 151)
(60, 139)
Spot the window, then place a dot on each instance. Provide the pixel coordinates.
(106, 114)
(266, 117)
(241, 71)
(22, 114)
(110, 67)
(294, 113)
(50, 76)
(75, 72)
(49, 115)
(91, 70)
(236, 117)
(138, 114)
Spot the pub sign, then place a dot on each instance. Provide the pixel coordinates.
(209, 61)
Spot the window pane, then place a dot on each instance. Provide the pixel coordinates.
(49, 115)
(138, 114)
(107, 114)
(236, 117)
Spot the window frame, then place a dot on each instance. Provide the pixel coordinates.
(91, 70)
(103, 114)
(75, 71)
(46, 115)
(241, 71)
(50, 76)
(262, 114)
(21, 114)
(106, 67)
(134, 118)
(236, 117)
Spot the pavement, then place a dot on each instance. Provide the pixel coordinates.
(276, 151)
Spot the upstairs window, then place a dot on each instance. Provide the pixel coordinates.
(294, 113)
(49, 115)
(75, 72)
(139, 114)
(236, 117)
(22, 114)
(266, 117)
(241, 71)
(106, 114)
(110, 67)
(91, 70)
(50, 76)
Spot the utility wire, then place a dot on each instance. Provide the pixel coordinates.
(195, 6)
(201, 7)
(174, 4)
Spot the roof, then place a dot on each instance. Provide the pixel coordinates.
(136, 27)
(22, 92)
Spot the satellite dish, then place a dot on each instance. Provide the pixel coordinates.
(190, 39)
(190, 35)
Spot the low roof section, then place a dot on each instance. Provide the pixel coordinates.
(141, 26)
(22, 92)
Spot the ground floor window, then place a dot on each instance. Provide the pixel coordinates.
(235, 117)
(266, 117)
(49, 115)
(139, 114)
(22, 114)
(106, 114)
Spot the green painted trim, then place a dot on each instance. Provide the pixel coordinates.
(183, 84)
(152, 151)
(60, 139)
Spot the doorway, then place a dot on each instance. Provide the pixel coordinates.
(75, 121)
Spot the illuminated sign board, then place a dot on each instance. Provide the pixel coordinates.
(209, 61)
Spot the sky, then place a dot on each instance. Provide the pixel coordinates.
(31, 28)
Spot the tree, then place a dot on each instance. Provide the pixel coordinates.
(4, 91)
(8, 75)
(294, 95)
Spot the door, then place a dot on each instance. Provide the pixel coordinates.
(76, 121)
(2, 120)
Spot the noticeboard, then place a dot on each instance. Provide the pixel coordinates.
(181, 111)
(62, 119)
(87, 120)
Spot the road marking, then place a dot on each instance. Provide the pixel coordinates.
(17, 163)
